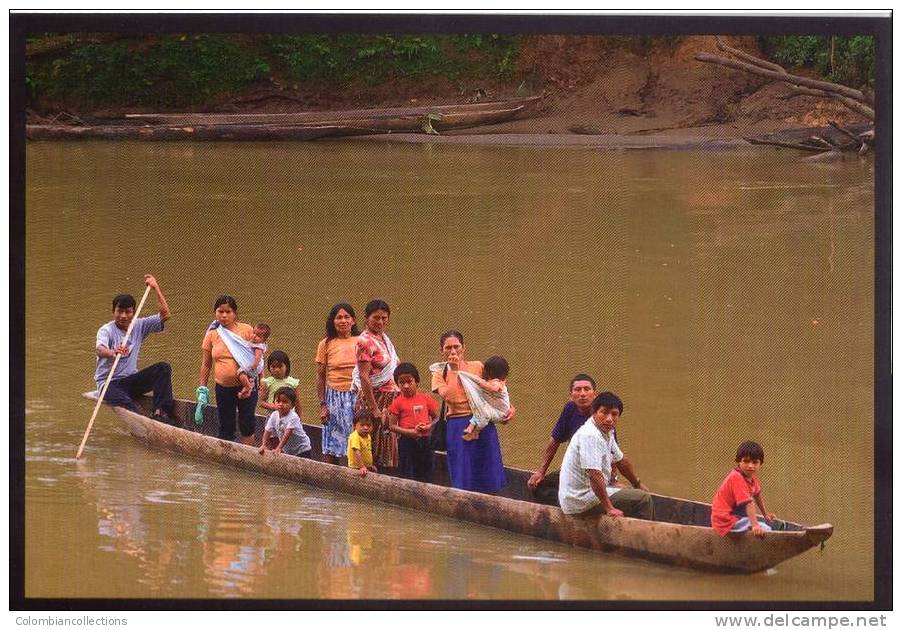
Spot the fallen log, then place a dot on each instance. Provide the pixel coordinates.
(855, 106)
(846, 132)
(394, 118)
(752, 59)
(784, 77)
(167, 132)
(787, 145)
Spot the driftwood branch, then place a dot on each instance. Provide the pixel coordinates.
(845, 132)
(855, 106)
(831, 88)
(788, 145)
(826, 143)
(741, 54)
(828, 147)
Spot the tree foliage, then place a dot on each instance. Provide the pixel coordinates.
(376, 58)
(183, 70)
(846, 60)
(173, 70)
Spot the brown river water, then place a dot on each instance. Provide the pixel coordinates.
(725, 295)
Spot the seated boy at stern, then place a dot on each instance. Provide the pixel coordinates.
(733, 507)
(258, 345)
(411, 417)
(360, 443)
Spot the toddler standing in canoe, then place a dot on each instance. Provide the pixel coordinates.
(279, 366)
(360, 443)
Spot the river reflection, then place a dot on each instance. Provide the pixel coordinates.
(724, 296)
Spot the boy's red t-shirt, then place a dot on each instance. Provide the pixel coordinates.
(735, 490)
(414, 410)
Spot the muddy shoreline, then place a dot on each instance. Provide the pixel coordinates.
(603, 141)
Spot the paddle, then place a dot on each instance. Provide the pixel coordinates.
(110, 375)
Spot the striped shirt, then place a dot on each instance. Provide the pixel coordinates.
(589, 449)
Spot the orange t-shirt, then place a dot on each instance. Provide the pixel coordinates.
(340, 358)
(225, 368)
(458, 405)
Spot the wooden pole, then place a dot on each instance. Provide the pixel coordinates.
(109, 377)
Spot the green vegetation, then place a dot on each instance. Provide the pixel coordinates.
(376, 58)
(169, 71)
(846, 60)
(184, 70)
(106, 70)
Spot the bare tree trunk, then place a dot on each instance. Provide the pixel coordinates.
(741, 54)
(855, 106)
(832, 55)
(854, 99)
(785, 77)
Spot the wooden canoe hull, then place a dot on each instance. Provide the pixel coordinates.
(677, 544)
(390, 119)
(185, 132)
(291, 126)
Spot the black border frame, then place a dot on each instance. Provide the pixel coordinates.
(879, 27)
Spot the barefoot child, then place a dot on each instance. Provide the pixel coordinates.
(247, 374)
(411, 416)
(360, 443)
(285, 425)
(494, 404)
(279, 366)
(733, 507)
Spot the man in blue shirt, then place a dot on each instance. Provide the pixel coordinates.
(128, 382)
(575, 413)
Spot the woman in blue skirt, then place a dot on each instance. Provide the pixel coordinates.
(474, 465)
(336, 356)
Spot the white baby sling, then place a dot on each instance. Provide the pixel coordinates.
(239, 348)
(386, 374)
(487, 406)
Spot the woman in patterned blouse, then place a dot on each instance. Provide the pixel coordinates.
(374, 382)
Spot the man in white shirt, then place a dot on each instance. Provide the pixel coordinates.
(586, 469)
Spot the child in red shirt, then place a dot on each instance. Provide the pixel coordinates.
(733, 507)
(411, 416)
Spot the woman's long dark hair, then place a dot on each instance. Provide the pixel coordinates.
(331, 331)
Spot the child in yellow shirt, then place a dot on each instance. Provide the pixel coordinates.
(360, 444)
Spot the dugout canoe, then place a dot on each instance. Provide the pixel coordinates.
(361, 121)
(679, 536)
(180, 132)
(291, 126)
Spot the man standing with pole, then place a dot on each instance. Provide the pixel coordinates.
(127, 382)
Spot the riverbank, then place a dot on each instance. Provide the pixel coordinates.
(611, 91)
(601, 141)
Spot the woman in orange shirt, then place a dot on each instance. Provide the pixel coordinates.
(216, 355)
(336, 356)
(474, 465)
